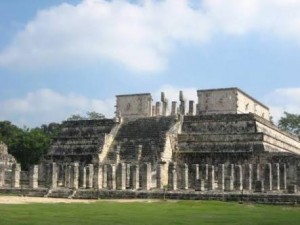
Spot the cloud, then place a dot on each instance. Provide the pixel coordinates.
(283, 99)
(141, 36)
(46, 105)
(137, 36)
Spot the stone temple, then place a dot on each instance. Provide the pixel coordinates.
(224, 142)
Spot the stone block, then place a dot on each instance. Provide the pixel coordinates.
(33, 176)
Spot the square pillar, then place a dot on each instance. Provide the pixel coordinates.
(111, 176)
(146, 176)
(2, 176)
(195, 175)
(121, 176)
(238, 181)
(259, 186)
(135, 174)
(283, 176)
(16, 174)
(82, 176)
(174, 108)
(204, 171)
(172, 176)
(228, 183)
(98, 175)
(75, 175)
(221, 177)
(33, 176)
(268, 177)
(105, 176)
(157, 107)
(211, 178)
(191, 107)
(52, 175)
(67, 175)
(276, 177)
(89, 175)
(248, 177)
(128, 175)
(161, 175)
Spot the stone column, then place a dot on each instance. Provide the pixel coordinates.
(174, 108)
(33, 176)
(139, 153)
(160, 175)
(211, 178)
(111, 176)
(276, 177)
(172, 176)
(105, 173)
(135, 173)
(117, 154)
(195, 174)
(121, 176)
(53, 175)
(204, 171)
(2, 176)
(74, 175)
(199, 185)
(16, 174)
(153, 110)
(191, 108)
(228, 183)
(248, 177)
(146, 176)
(82, 176)
(268, 177)
(231, 170)
(221, 177)
(182, 103)
(238, 181)
(164, 101)
(67, 174)
(283, 177)
(89, 175)
(128, 175)
(259, 186)
(184, 176)
(298, 175)
(157, 106)
(98, 175)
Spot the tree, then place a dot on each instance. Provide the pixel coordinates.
(90, 116)
(290, 122)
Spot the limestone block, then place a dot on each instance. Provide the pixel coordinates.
(75, 175)
(283, 177)
(89, 175)
(16, 172)
(33, 176)
(276, 177)
(121, 176)
(82, 176)
(135, 174)
(221, 177)
(172, 176)
(98, 177)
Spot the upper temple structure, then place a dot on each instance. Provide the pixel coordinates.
(224, 141)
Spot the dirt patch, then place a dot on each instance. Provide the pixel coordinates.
(27, 200)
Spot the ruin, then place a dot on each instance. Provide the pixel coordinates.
(225, 143)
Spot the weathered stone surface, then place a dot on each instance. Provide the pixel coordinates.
(121, 176)
(33, 176)
(146, 176)
(172, 183)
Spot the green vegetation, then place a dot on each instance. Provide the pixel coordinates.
(290, 122)
(164, 213)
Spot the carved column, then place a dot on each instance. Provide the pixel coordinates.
(105, 175)
(128, 175)
(283, 177)
(67, 175)
(221, 177)
(182, 103)
(268, 177)
(98, 177)
(121, 176)
(89, 175)
(135, 173)
(111, 176)
(238, 183)
(117, 154)
(146, 176)
(160, 175)
(139, 153)
(82, 176)
(228, 183)
(174, 108)
(33, 176)
(2, 176)
(276, 177)
(248, 177)
(53, 175)
(211, 178)
(184, 176)
(191, 108)
(164, 101)
(75, 175)
(172, 176)
(157, 107)
(195, 174)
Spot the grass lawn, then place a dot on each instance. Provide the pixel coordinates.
(161, 213)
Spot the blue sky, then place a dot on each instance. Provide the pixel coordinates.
(59, 58)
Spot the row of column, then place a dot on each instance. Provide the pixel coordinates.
(251, 177)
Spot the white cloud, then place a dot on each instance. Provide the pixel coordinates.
(141, 36)
(283, 99)
(46, 105)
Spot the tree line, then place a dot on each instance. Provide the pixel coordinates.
(28, 145)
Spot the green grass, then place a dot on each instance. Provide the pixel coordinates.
(161, 213)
